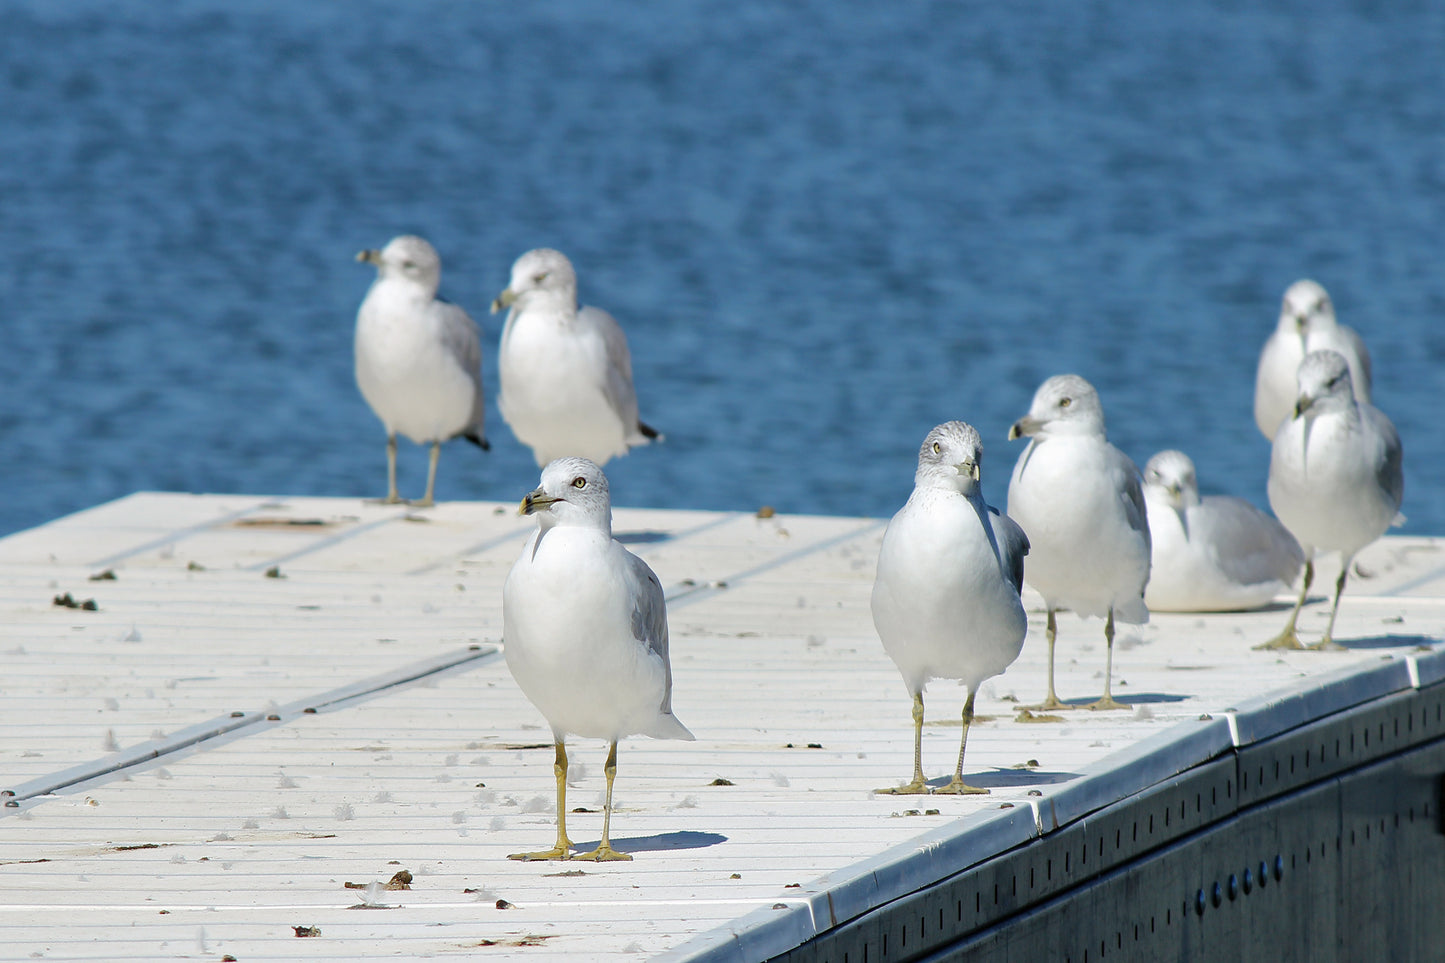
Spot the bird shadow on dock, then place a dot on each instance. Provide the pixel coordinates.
(1389, 642)
(642, 538)
(661, 842)
(1008, 778)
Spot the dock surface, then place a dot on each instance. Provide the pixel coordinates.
(228, 722)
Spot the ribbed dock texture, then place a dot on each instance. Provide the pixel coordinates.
(282, 728)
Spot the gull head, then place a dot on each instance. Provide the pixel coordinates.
(951, 457)
(410, 258)
(1064, 405)
(1306, 309)
(540, 273)
(1324, 384)
(1169, 477)
(573, 492)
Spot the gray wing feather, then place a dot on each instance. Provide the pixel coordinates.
(649, 618)
(1389, 468)
(621, 395)
(1259, 548)
(463, 342)
(1013, 545)
(1362, 353)
(1133, 496)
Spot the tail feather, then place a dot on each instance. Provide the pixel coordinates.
(479, 440)
(650, 433)
(667, 726)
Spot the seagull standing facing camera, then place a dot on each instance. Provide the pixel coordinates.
(1081, 500)
(584, 631)
(946, 597)
(1335, 477)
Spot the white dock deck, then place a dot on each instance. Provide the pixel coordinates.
(257, 813)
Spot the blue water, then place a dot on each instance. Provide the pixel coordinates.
(826, 227)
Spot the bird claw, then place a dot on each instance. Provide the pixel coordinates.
(915, 788)
(1106, 703)
(604, 854)
(957, 787)
(1285, 640)
(1326, 645)
(560, 851)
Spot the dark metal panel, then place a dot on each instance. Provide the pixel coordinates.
(1332, 855)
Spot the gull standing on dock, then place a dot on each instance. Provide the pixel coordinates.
(566, 373)
(584, 631)
(1335, 477)
(1306, 323)
(418, 358)
(946, 596)
(1081, 502)
(1212, 554)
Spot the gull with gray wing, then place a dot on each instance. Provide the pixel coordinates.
(418, 358)
(946, 594)
(584, 632)
(1081, 502)
(1335, 477)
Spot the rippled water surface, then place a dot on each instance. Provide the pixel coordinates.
(825, 227)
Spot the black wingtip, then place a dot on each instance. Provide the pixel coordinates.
(479, 440)
(648, 431)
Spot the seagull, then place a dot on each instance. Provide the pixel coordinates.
(1306, 323)
(1335, 477)
(418, 358)
(946, 596)
(584, 627)
(1210, 554)
(1082, 504)
(566, 372)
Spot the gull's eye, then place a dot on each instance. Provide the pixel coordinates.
(408, 265)
(1065, 402)
(579, 482)
(937, 448)
(539, 278)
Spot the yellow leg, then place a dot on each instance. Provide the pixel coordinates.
(431, 476)
(563, 849)
(1328, 643)
(392, 498)
(1051, 701)
(1288, 639)
(1107, 702)
(956, 786)
(604, 851)
(917, 786)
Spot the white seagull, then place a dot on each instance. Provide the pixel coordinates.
(418, 358)
(946, 596)
(1082, 504)
(566, 373)
(1212, 554)
(1335, 477)
(584, 631)
(1306, 323)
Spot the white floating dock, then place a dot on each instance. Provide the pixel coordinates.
(275, 701)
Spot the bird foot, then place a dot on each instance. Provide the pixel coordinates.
(957, 787)
(915, 788)
(1108, 702)
(419, 503)
(604, 854)
(1285, 640)
(392, 499)
(1326, 644)
(1051, 702)
(560, 851)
